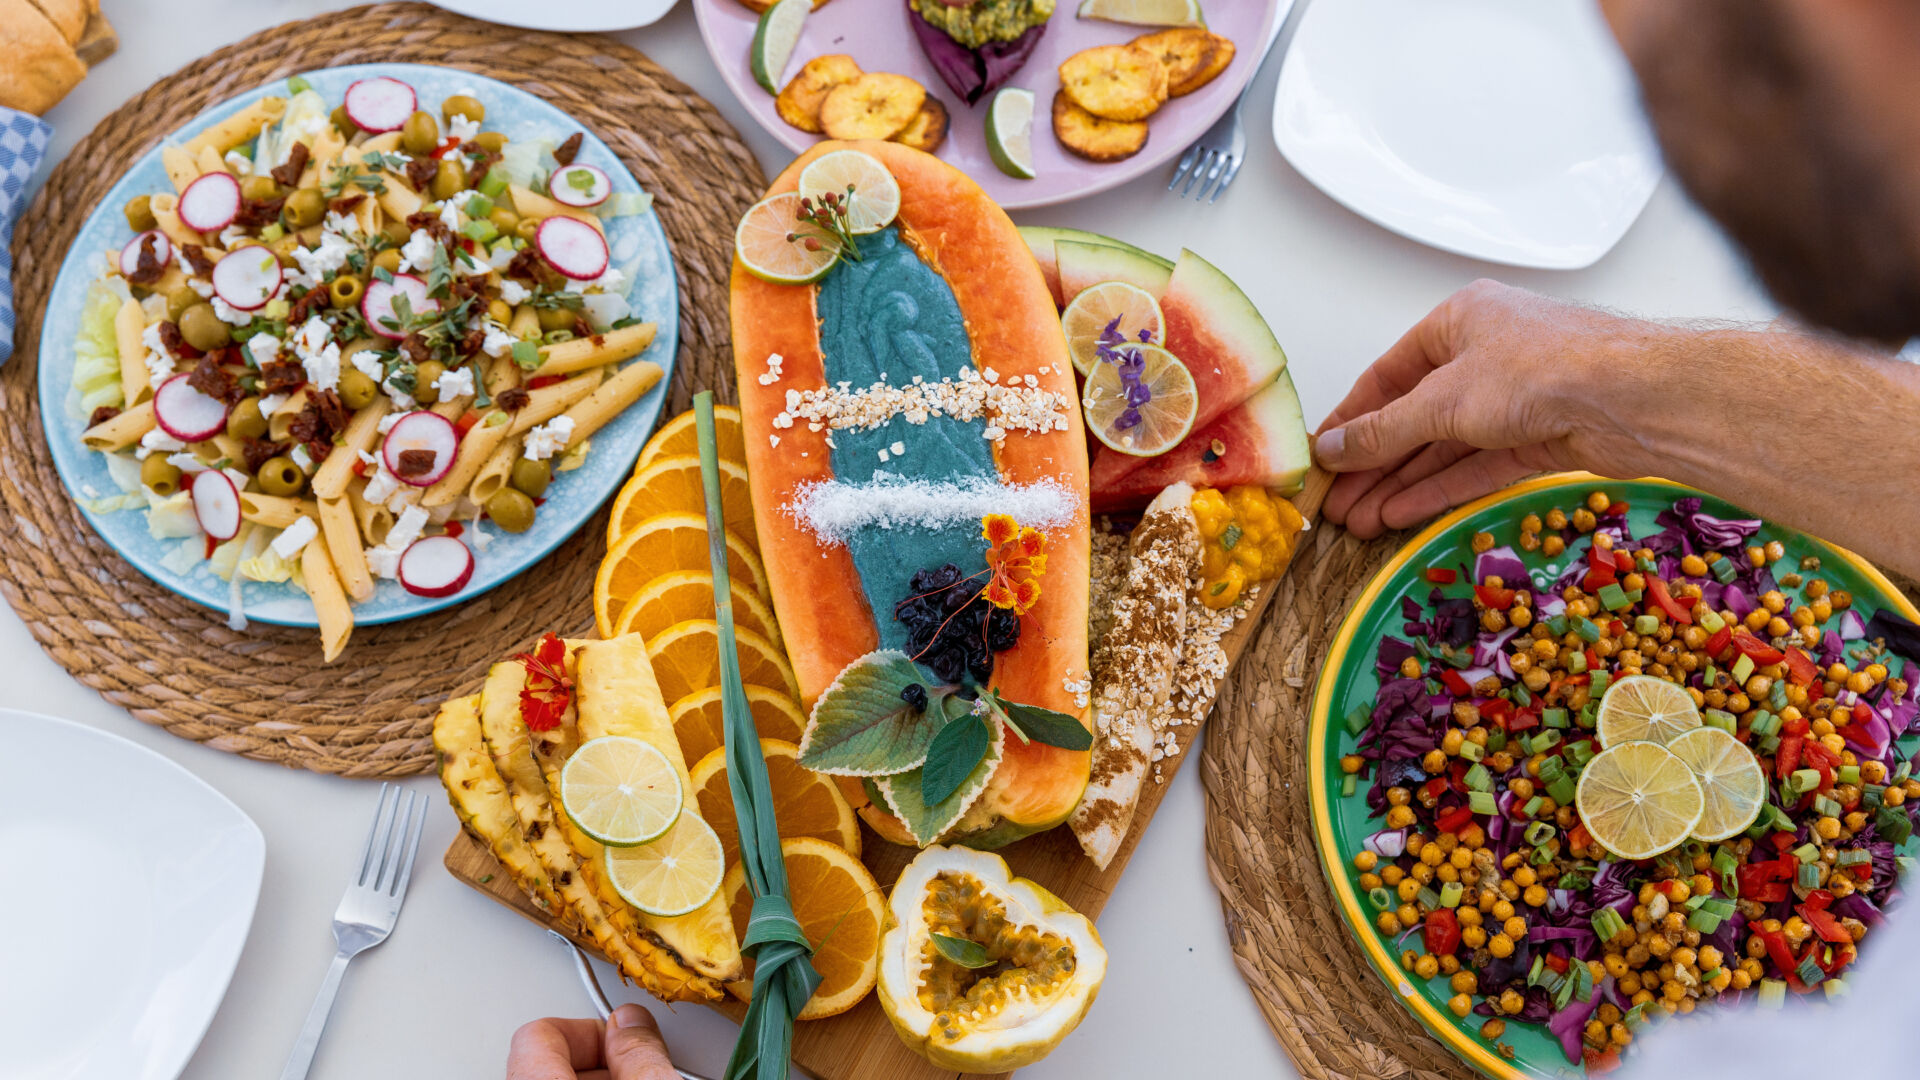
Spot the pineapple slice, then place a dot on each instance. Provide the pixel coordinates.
(480, 799)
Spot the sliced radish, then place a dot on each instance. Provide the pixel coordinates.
(579, 185)
(130, 255)
(421, 431)
(572, 247)
(210, 203)
(381, 104)
(377, 304)
(187, 414)
(435, 566)
(247, 277)
(216, 502)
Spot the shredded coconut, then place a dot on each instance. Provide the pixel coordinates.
(835, 510)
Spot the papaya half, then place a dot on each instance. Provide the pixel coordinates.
(1010, 333)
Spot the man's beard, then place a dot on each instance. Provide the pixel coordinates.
(1767, 148)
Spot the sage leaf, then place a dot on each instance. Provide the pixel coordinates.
(862, 726)
(904, 795)
(955, 751)
(1044, 725)
(968, 954)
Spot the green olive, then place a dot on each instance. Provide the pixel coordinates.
(305, 207)
(178, 301)
(345, 290)
(203, 329)
(490, 141)
(388, 260)
(259, 188)
(160, 474)
(245, 421)
(140, 214)
(511, 509)
(463, 105)
(525, 228)
(357, 391)
(398, 232)
(450, 179)
(343, 122)
(280, 476)
(421, 134)
(555, 318)
(424, 374)
(531, 477)
(503, 219)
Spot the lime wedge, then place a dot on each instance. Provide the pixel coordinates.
(1638, 799)
(620, 791)
(673, 875)
(1150, 423)
(775, 246)
(1730, 777)
(872, 194)
(1643, 708)
(1145, 12)
(1010, 131)
(774, 39)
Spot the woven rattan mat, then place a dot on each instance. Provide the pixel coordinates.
(264, 693)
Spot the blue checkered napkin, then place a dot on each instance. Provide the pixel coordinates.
(23, 142)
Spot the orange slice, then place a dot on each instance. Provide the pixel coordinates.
(672, 485)
(688, 594)
(686, 657)
(805, 803)
(841, 911)
(678, 436)
(697, 721)
(659, 546)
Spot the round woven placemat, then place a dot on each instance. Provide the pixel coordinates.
(264, 693)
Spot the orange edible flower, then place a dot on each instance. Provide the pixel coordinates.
(1016, 557)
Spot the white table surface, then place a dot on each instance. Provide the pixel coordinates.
(441, 998)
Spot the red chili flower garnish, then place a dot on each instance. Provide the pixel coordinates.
(549, 689)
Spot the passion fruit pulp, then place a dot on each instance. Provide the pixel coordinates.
(1025, 960)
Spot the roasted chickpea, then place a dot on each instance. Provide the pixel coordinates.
(280, 476)
(356, 389)
(245, 421)
(512, 510)
(345, 291)
(203, 329)
(463, 105)
(450, 179)
(304, 207)
(160, 475)
(420, 135)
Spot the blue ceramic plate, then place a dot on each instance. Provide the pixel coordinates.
(639, 247)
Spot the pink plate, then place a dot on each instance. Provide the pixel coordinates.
(876, 34)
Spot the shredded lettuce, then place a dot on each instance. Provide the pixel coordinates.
(625, 203)
(226, 556)
(96, 355)
(172, 517)
(306, 116)
(182, 559)
(259, 563)
(604, 309)
(527, 162)
(574, 456)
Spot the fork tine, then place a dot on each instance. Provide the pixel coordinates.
(1210, 188)
(1186, 162)
(1199, 170)
(1227, 179)
(414, 829)
(389, 853)
(369, 854)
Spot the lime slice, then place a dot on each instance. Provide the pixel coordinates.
(1643, 708)
(1165, 416)
(1729, 776)
(1097, 306)
(774, 245)
(1145, 12)
(620, 791)
(872, 194)
(673, 875)
(1639, 799)
(774, 39)
(1010, 132)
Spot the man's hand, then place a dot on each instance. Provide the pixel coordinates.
(627, 1047)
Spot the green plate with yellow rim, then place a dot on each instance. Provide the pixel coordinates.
(1348, 679)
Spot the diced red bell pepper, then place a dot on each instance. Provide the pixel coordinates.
(1557, 963)
(1800, 668)
(1777, 950)
(1622, 562)
(1599, 558)
(1522, 719)
(1787, 758)
(541, 381)
(1825, 925)
(1861, 712)
(466, 422)
(1795, 726)
(454, 528)
(1766, 882)
(1434, 788)
(1617, 628)
(1598, 579)
(1782, 841)
(1600, 1061)
(1440, 575)
(1760, 652)
(1494, 598)
(1593, 662)
(1662, 599)
(1442, 932)
(1457, 775)
(1454, 820)
(1455, 682)
(1720, 643)
(1619, 507)
(1496, 709)
(1579, 837)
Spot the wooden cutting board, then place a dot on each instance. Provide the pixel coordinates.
(860, 1044)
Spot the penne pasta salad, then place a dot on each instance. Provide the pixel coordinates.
(353, 337)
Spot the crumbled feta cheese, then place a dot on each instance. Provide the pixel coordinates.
(231, 236)
(459, 127)
(514, 294)
(238, 163)
(402, 399)
(271, 403)
(482, 539)
(380, 486)
(384, 562)
(329, 255)
(454, 383)
(392, 418)
(612, 281)
(229, 314)
(186, 462)
(500, 256)
(158, 440)
(885, 457)
(385, 559)
(498, 341)
(337, 222)
(548, 439)
(301, 457)
(200, 285)
(294, 538)
(323, 367)
(367, 362)
(265, 349)
(368, 459)
(417, 252)
(159, 361)
(451, 217)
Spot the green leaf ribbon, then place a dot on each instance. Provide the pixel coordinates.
(963, 951)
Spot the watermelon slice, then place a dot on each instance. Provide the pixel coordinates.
(1262, 441)
(1040, 240)
(1081, 264)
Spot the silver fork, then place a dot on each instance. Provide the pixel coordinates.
(368, 910)
(1215, 158)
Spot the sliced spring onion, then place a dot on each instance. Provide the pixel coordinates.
(1542, 855)
(1614, 597)
(1472, 751)
(1557, 625)
(1695, 903)
(1601, 680)
(1587, 629)
(1853, 857)
(1381, 899)
(1546, 740)
(1773, 993)
(1725, 721)
(1742, 668)
(1538, 833)
(1808, 877)
(1521, 695)
(1870, 795)
(1893, 825)
(1807, 852)
(1703, 921)
(1848, 774)
(1709, 976)
(1348, 785)
(1554, 718)
(1450, 894)
(1724, 572)
(1478, 778)
(1608, 922)
(1589, 714)
(1764, 723)
(1533, 973)
(1533, 806)
(1562, 790)
(1427, 898)
(1711, 622)
(1810, 973)
(1526, 746)
(1728, 869)
(1552, 768)
(1646, 624)
(1359, 717)
(1482, 802)
(1577, 662)
(1902, 771)
(1835, 988)
(1634, 596)
(1645, 565)
(1804, 780)
(1826, 807)
(1496, 741)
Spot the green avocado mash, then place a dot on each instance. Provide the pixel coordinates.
(984, 21)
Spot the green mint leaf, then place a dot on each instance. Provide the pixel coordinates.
(526, 354)
(1044, 725)
(904, 796)
(439, 274)
(381, 273)
(1230, 538)
(959, 746)
(968, 954)
(862, 726)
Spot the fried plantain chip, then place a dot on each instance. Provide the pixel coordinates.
(799, 104)
(1092, 137)
(1222, 55)
(1115, 82)
(876, 105)
(927, 130)
(1185, 50)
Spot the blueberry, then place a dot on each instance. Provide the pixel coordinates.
(914, 695)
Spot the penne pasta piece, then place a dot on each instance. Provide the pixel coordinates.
(398, 200)
(452, 410)
(321, 155)
(342, 531)
(128, 324)
(239, 127)
(173, 277)
(611, 398)
(329, 599)
(550, 401)
(612, 347)
(209, 160)
(226, 446)
(384, 143)
(476, 446)
(529, 204)
(283, 417)
(275, 511)
(375, 521)
(525, 324)
(166, 213)
(502, 374)
(180, 166)
(494, 472)
(122, 431)
(330, 479)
